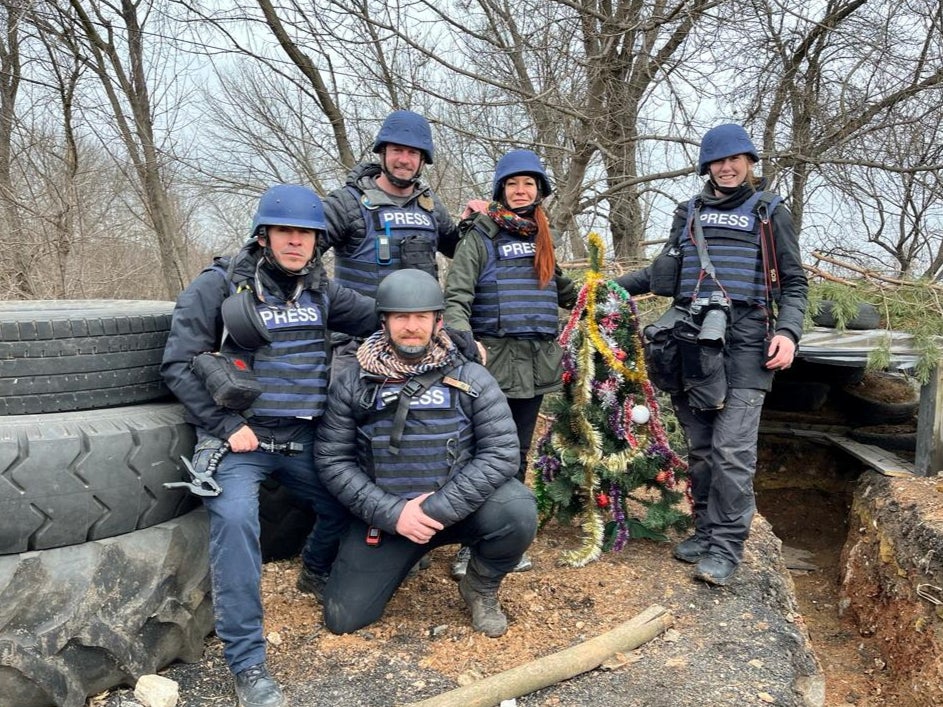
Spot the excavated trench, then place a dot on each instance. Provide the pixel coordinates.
(865, 553)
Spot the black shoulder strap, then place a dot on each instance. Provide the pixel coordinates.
(484, 225)
(413, 388)
(416, 386)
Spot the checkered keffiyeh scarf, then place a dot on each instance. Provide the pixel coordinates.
(376, 356)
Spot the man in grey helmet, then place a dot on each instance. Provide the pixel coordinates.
(420, 445)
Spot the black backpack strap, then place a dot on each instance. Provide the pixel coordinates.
(413, 388)
(416, 386)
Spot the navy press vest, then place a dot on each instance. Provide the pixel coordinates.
(732, 237)
(509, 300)
(293, 370)
(437, 431)
(378, 254)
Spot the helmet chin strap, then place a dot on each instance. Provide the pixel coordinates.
(724, 190)
(399, 181)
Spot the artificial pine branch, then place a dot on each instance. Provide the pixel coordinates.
(606, 446)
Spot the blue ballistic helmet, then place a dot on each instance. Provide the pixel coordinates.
(725, 141)
(289, 205)
(519, 162)
(403, 127)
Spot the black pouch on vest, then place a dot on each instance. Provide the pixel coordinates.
(418, 252)
(662, 356)
(703, 375)
(664, 273)
(228, 378)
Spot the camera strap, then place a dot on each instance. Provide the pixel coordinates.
(696, 234)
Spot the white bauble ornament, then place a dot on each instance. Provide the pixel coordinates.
(640, 414)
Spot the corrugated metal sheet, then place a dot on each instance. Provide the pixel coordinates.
(851, 348)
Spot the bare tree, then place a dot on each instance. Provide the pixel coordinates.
(15, 240)
(109, 39)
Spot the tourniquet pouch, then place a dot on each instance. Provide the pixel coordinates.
(418, 252)
(229, 379)
(664, 273)
(702, 369)
(662, 355)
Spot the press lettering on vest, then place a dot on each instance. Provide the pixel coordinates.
(283, 318)
(435, 398)
(516, 250)
(730, 220)
(407, 218)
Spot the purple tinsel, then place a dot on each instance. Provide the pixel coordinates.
(622, 531)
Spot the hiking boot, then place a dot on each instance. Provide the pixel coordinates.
(256, 688)
(460, 563)
(524, 565)
(425, 562)
(692, 550)
(715, 569)
(311, 582)
(482, 600)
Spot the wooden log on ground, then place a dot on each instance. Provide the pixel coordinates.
(556, 667)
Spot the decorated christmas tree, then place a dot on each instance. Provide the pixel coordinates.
(606, 457)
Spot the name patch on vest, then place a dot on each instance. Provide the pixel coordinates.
(508, 251)
(406, 219)
(727, 219)
(438, 397)
(287, 318)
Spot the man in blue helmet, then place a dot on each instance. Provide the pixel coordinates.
(384, 218)
(267, 309)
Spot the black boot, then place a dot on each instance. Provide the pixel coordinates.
(715, 569)
(256, 688)
(693, 549)
(481, 597)
(311, 582)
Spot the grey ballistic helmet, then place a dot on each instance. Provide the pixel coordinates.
(409, 290)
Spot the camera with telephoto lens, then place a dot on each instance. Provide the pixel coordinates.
(713, 313)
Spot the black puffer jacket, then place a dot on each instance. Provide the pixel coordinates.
(197, 326)
(495, 454)
(745, 351)
(345, 226)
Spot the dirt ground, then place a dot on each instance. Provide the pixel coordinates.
(424, 639)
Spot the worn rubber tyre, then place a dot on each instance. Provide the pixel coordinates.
(864, 407)
(60, 355)
(285, 522)
(891, 437)
(78, 620)
(866, 318)
(70, 477)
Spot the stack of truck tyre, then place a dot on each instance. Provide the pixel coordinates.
(104, 574)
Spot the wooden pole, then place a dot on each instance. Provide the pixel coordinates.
(928, 460)
(553, 668)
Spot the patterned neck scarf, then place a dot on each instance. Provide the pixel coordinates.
(376, 356)
(510, 221)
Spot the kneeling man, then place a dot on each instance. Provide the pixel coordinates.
(420, 445)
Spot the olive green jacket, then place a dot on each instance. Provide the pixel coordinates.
(524, 368)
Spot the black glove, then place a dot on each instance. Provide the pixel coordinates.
(465, 342)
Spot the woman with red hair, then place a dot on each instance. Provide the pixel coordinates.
(504, 285)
